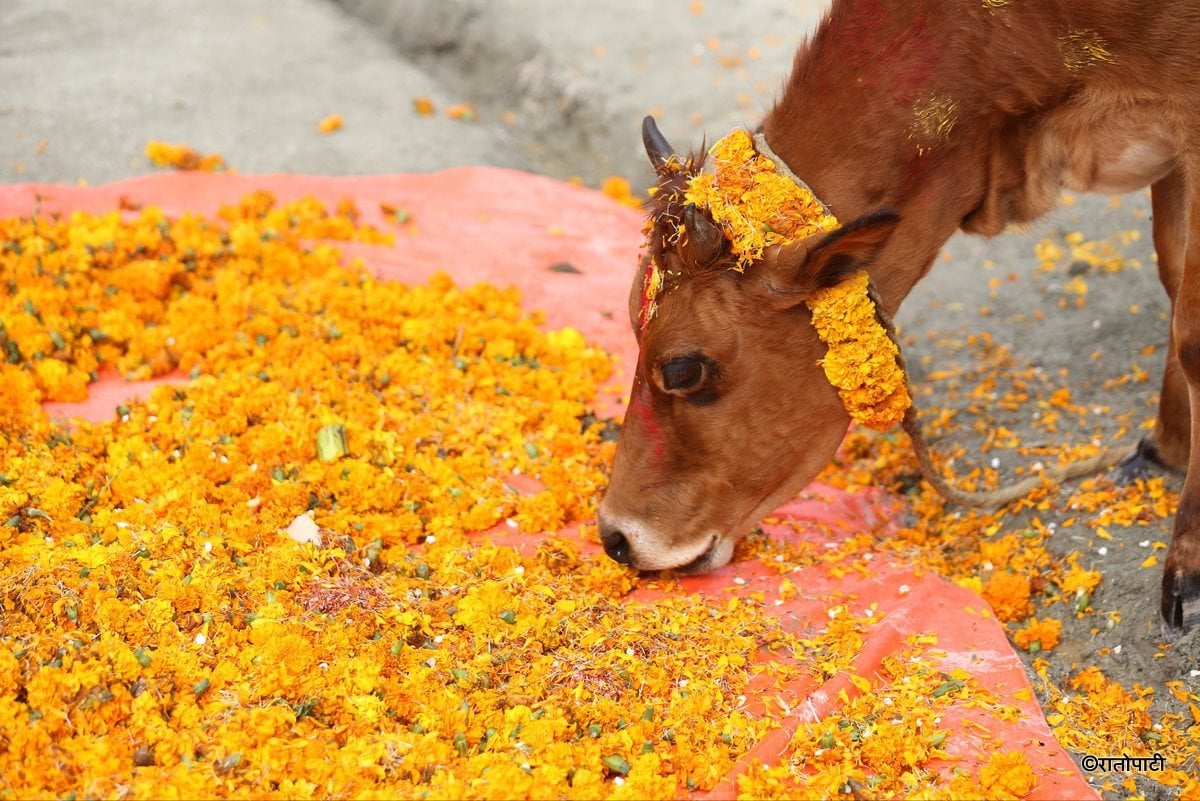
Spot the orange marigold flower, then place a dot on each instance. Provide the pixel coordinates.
(618, 189)
(1090, 680)
(330, 123)
(1008, 594)
(1039, 635)
(1077, 580)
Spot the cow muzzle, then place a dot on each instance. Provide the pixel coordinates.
(640, 546)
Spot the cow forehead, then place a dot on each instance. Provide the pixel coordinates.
(705, 317)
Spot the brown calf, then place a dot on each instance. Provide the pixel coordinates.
(909, 119)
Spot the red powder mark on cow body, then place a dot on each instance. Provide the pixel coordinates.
(915, 61)
(641, 407)
(859, 24)
(863, 47)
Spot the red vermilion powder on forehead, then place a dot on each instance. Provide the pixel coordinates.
(641, 407)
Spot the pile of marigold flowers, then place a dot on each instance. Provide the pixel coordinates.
(894, 737)
(275, 576)
(261, 581)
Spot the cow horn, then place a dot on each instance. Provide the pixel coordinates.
(657, 147)
(704, 237)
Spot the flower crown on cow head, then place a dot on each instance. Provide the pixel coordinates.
(753, 201)
(757, 203)
(750, 194)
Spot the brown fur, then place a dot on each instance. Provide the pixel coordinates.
(950, 114)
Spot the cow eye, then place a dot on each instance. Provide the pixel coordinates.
(682, 374)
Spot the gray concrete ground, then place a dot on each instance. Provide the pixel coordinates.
(559, 87)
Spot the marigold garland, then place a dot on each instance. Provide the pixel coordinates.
(861, 358)
(757, 207)
(754, 204)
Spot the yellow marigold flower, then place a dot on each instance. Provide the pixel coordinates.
(330, 123)
(618, 189)
(370, 708)
(755, 205)
(61, 381)
(1007, 774)
(861, 358)
(1078, 580)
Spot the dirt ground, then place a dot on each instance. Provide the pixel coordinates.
(1108, 355)
(560, 88)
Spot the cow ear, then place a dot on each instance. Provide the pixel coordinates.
(794, 272)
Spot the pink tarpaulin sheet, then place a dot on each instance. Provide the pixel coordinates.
(510, 228)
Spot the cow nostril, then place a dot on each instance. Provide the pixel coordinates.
(617, 547)
(615, 544)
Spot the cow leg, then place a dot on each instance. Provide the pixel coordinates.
(1169, 444)
(1181, 576)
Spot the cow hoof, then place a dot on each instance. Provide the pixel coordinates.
(1144, 462)
(1180, 603)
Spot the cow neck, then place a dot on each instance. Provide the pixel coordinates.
(872, 118)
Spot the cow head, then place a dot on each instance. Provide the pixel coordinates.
(730, 412)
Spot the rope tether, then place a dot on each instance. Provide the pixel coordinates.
(1106, 458)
